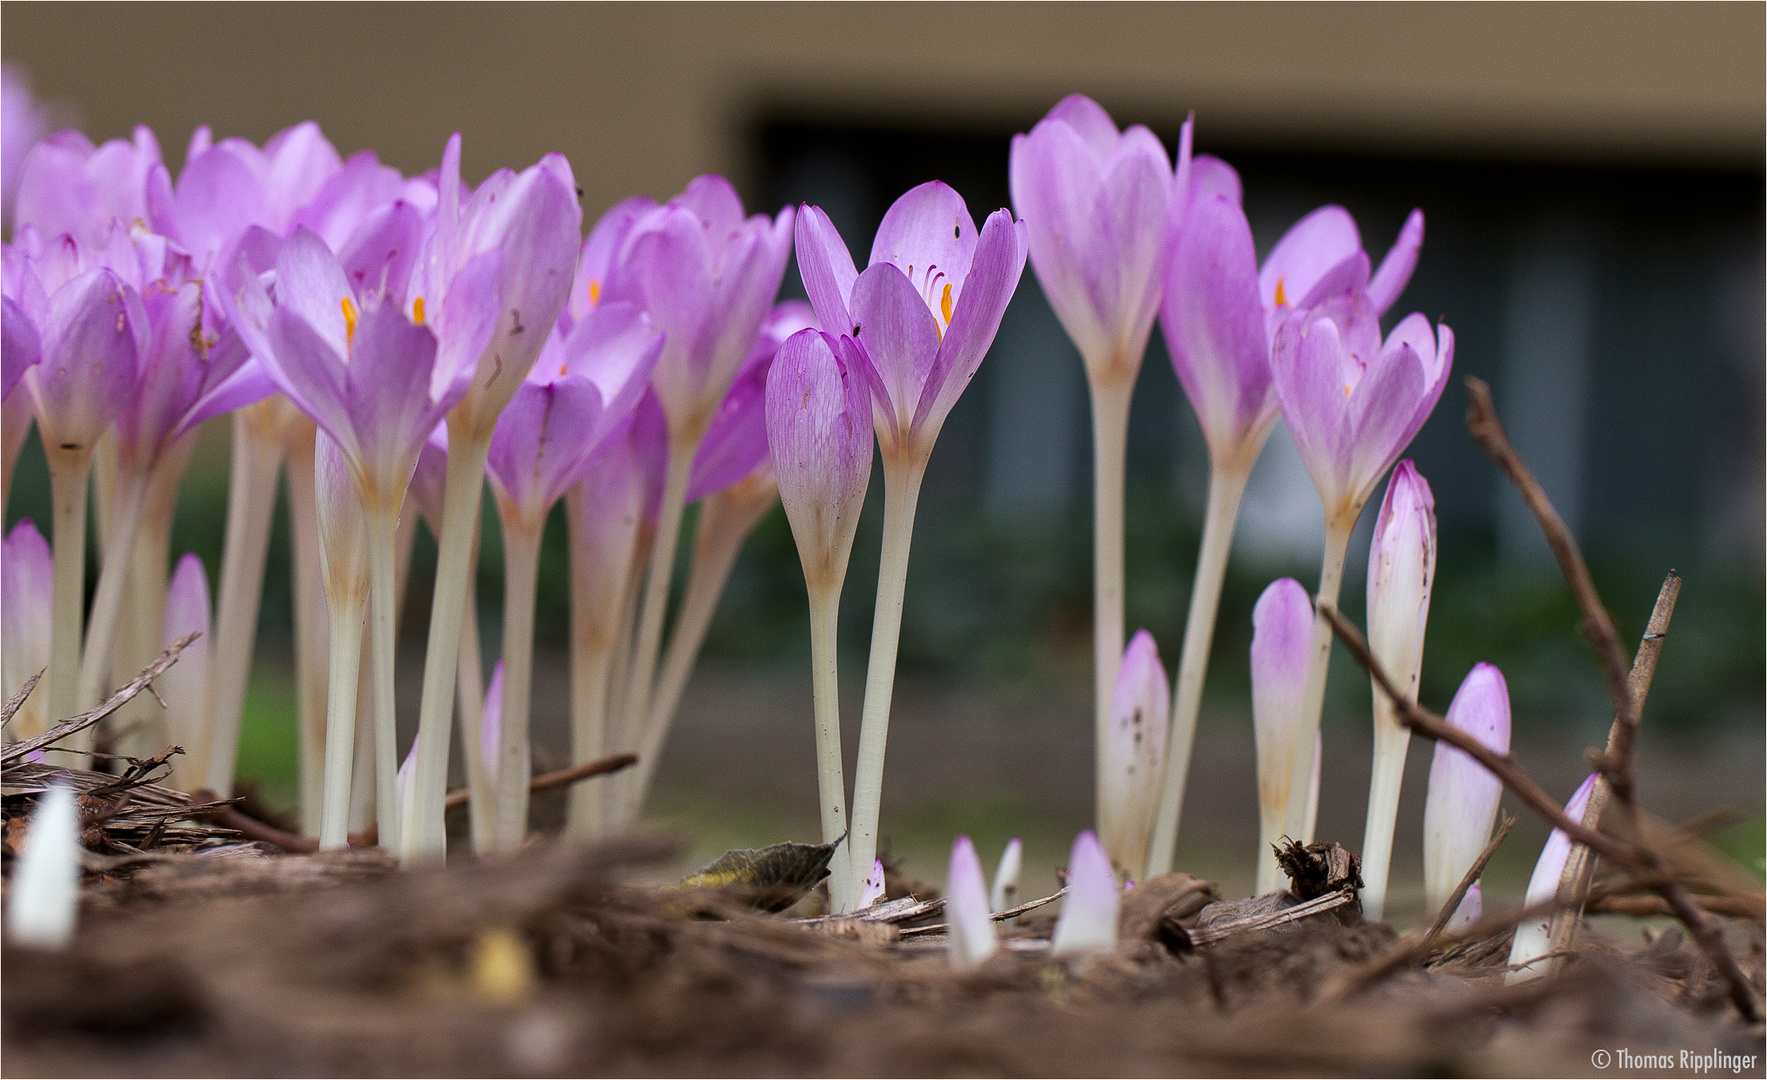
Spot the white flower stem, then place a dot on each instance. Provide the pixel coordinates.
(69, 471)
(383, 621)
(725, 521)
(622, 732)
(141, 623)
(482, 810)
(1299, 812)
(521, 574)
(107, 599)
(1391, 742)
(831, 784)
(1226, 487)
(592, 661)
(346, 607)
(902, 479)
(251, 506)
(1110, 440)
(656, 586)
(311, 645)
(424, 838)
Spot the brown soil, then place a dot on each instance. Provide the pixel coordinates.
(545, 964)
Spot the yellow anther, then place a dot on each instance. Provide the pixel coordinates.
(1281, 297)
(417, 311)
(349, 307)
(945, 303)
(594, 292)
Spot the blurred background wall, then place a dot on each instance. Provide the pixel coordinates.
(1592, 176)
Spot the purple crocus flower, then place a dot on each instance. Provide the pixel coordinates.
(1282, 634)
(819, 431)
(970, 928)
(519, 230)
(1320, 248)
(582, 391)
(818, 426)
(1463, 795)
(1215, 326)
(26, 607)
(923, 315)
(374, 381)
(23, 122)
(1094, 203)
(228, 188)
(185, 685)
(1088, 921)
(1353, 402)
(707, 276)
(736, 440)
(1135, 754)
(92, 330)
(67, 185)
(1401, 567)
(20, 350)
(1533, 937)
(508, 255)
(929, 270)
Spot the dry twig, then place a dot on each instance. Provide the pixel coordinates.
(10, 709)
(1580, 865)
(1466, 882)
(18, 750)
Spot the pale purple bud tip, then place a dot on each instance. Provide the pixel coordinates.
(408, 783)
(1533, 937)
(970, 929)
(1472, 905)
(874, 886)
(1088, 922)
(819, 428)
(491, 725)
(1282, 636)
(1135, 753)
(1005, 892)
(44, 898)
(1401, 567)
(185, 684)
(26, 603)
(1463, 795)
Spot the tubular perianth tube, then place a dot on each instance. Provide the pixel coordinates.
(1111, 391)
(1226, 488)
(424, 840)
(69, 470)
(521, 570)
(902, 478)
(1297, 817)
(648, 640)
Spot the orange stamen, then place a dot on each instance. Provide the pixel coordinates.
(1281, 297)
(349, 307)
(945, 303)
(417, 311)
(594, 292)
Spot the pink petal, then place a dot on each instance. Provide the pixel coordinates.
(1395, 270)
(1214, 325)
(970, 934)
(999, 262)
(1312, 246)
(1088, 920)
(898, 334)
(827, 269)
(929, 236)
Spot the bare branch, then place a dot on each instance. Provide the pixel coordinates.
(18, 750)
(1466, 883)
(1487, 431)
(10, 709)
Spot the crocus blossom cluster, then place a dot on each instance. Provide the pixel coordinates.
(373, 336)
